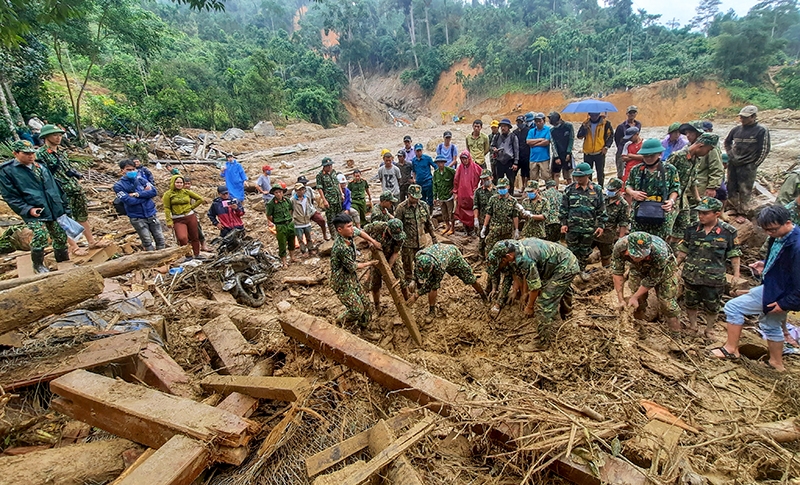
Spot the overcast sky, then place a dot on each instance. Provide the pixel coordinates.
(683, 10)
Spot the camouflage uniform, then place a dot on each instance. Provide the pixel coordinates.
(57, 162)
(704, 267)
(416, 221)
(656, 188)
(552, 224)
(582, 211)
(344, 281)
(790, 188)
(710, 171)
(618, 212)
(480, 204)
(379, 231)
(379, 214)
(434, 261)
(333, 194)
(358, 197)
(657, 271)
(537, 206)
(502, 210)
(687, 173)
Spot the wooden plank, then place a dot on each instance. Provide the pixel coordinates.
(142, 458)
(397, 448)
(339, 452)
(614, 471)
(145, 415)
(178, 462)
(230, 345)
(276, 388)
(156, 368)
(303, 280)
(394, 290)
(24, 267)
(118, 348)
(399, 472)
(242, 405)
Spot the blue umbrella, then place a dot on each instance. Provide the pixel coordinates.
(589, 106)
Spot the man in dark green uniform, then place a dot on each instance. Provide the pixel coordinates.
(685, 161)
(481, 202)
(657, 184)
(652, 266)
(53, 156)
(704, 250)
(391, 237)
(359, 192)
(542, 273)
(415, 215)
(443, 178)
(32, 192)
(279, 214)
(384, 210)
(344, 279)
(618, 222)
(582, 214)
(552, 227)
(502, 216)
(536, 209)
(330, 193)
(431, 264)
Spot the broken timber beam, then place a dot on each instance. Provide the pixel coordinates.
(230, 345)
(147, 416)
(114, 267)
(28, 303)
(155, 367)
(275, 388)
(303, 280)
(400, 471)
(394, 289)
(179, 462)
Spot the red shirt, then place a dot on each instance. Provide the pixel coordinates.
(631, 149)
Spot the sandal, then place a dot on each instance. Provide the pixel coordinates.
(725, 354)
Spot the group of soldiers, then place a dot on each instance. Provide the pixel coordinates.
(644, 229)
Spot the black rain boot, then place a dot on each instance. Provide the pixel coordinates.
(61, 255)
(37, 259)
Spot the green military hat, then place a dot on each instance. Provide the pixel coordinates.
(639, 244)
(583, 170)
(423, 266)
(532, 186)
(709, 204)
(674, 127)
(327, 161)
(550, 183)
(388, 196)
(497, 253)
(23, 146)
(651, 146)
(396, 229)
(711, 139)
(415, 191)
(486, 174)
(49, 130)
(724, 158)
(694, 125)
(614, 184)
(502, 183)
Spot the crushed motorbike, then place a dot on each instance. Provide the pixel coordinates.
(244, 267)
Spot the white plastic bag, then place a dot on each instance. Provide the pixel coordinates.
(70, 226)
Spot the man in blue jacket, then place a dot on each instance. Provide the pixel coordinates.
(421, 166)
(137, 194)
(779, 291)
(234, 176)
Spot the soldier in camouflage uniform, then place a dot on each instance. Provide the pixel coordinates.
(383, 210)
(537, 206)
(430, 266)
(502, 216)
(33, 193)
(654, 180)
(652, 266)
(542, 272)
(55, 158)
(344, 279)
(481, 202)
(582, 214)
(391, 237)
(552, 226)
(685, 160)
(619, 219)
(415, 215)
(330, 193)
(704, 249)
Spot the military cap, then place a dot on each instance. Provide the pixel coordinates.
(651, 146)
(23, 146)
(614, 184)
(583, 170)
(532, 186)
(503, 182)
(415, 191)
(711, 139)
(327, 161)
(386, 195)
(639, 244)
(486, 173)
(497, 253)
(674, 127)
(49, 130)
(418, 146)
(695, 125)
(396, 229)
(550, 183)
(709, 204)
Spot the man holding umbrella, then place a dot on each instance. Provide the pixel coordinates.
(596, 132)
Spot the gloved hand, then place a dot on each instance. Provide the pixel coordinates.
(527, 214)
(484, 230)
(476, 223)
(519, 207)
(516, 233)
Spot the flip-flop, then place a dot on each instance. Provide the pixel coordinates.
(725, 354)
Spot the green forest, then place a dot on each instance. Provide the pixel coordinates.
(143, 66)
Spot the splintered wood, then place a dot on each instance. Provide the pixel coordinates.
(233, 350)
(276, 388)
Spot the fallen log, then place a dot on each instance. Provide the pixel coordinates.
(399, 301)
(95, 462)
(303, 280)
(114, 267)
(30, 302)
(231, 347)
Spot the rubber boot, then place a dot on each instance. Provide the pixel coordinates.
(606, 262)
(61, 255)
(37, 259)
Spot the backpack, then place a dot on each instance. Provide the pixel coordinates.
(119, 207)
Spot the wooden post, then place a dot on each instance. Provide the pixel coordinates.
(397, 296)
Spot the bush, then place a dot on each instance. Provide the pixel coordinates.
(789, 87)
(317, 105)
(744, 93)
